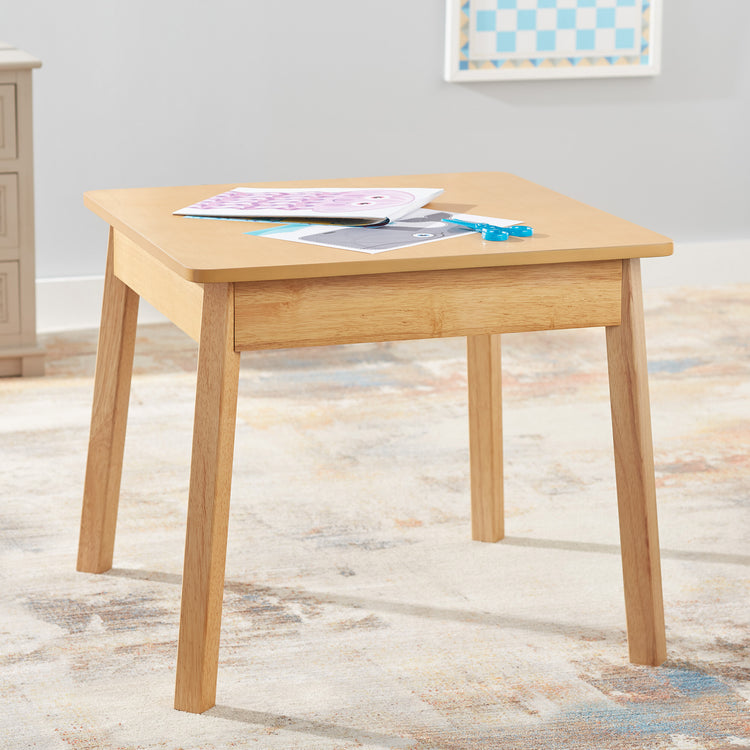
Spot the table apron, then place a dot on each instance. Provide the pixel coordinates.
(426, 304)
(178, 299)
(389, 306)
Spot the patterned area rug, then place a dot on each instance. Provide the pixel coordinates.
(358, 613)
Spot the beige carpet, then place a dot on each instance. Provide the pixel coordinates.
(358, 613)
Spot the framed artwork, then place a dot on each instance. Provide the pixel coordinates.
(492, 40)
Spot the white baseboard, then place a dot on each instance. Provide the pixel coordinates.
(699, 264)
(75, 302)
(71, 303)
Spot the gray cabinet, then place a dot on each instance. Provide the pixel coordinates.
(19, 353)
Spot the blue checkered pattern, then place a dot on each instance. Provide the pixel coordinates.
(528, 29)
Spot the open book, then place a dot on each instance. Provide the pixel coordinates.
(358, 207)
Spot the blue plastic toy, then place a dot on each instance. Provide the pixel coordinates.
(492, 232)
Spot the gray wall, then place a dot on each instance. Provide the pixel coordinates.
(160, 92)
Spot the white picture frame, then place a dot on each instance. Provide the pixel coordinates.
(494, 40)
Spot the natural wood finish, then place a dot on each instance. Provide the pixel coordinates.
(485, 437)
(426, 304)
(634, 467)
(208, 504)
(170, 294)
(114, 366)
(233, 292)
(204, 250)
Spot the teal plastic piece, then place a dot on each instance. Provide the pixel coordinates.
(492, 232)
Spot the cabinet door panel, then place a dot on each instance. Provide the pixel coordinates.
(9, 300)
(9, 210)
(7, 121)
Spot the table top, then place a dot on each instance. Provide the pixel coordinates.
(205, 250)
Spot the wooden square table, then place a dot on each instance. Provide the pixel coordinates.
(233, 292)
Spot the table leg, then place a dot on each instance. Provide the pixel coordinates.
(634, 467)
(114, 367)
(485, 437)
(208, 503)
